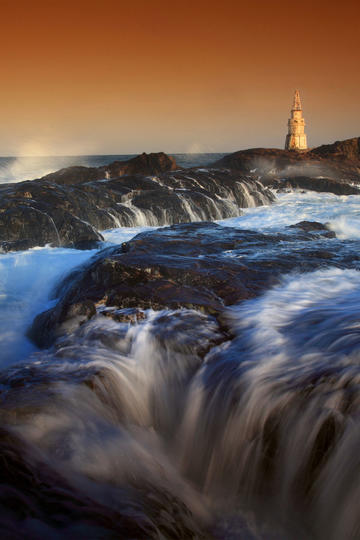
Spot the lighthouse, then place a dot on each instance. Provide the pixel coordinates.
(296, 137)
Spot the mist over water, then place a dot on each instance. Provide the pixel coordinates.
(17, 169)
(246, 433)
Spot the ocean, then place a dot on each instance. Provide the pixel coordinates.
(258, 438)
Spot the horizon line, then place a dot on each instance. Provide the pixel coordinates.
(165, 152)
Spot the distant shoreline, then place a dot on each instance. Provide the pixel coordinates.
(110, 155)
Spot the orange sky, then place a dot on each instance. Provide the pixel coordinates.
(124, 77)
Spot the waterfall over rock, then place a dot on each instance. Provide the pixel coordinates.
(78, 212)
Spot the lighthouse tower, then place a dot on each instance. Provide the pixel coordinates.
(296, 138)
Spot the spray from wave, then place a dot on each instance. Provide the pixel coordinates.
(341, 213)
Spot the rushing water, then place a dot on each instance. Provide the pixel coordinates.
(258, 436)
(341, 212)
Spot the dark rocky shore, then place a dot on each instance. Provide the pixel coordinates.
(72, 206)
(144, 414)
(338, 162)
(201, 268)
(186, 266)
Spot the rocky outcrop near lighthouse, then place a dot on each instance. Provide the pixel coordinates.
(72, 206)
(339, 162)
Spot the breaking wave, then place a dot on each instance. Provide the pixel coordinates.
(341, 212)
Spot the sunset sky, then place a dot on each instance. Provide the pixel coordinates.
(125, 77)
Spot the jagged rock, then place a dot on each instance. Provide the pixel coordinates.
(328, 185)
(126, 315)
(348, 149)
(26, 223)
(16, 245)
(41, 212)
(314, 226)
(19, 224)
(144, 164)
(188, 266)
(69, 207)
(75, 175)
(339, 161)
(64, 319)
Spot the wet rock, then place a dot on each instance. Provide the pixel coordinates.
(65, 318)
(310, 183)
(309, 226)
(38, 501)
(201, 266)
(25, 225)
(144, 164)
(339, 161)
(71, 215)
(314, 226)
(348, 149)
(127, 315)
(75, 175)
(16, 245)
(51, 217)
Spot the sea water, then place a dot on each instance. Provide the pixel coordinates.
(341, 212)
(27, 278)
(265, 421)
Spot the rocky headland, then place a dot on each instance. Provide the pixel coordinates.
(338, 162)
(71, 207)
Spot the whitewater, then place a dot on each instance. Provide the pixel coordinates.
(259, 438)
(27, 278)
